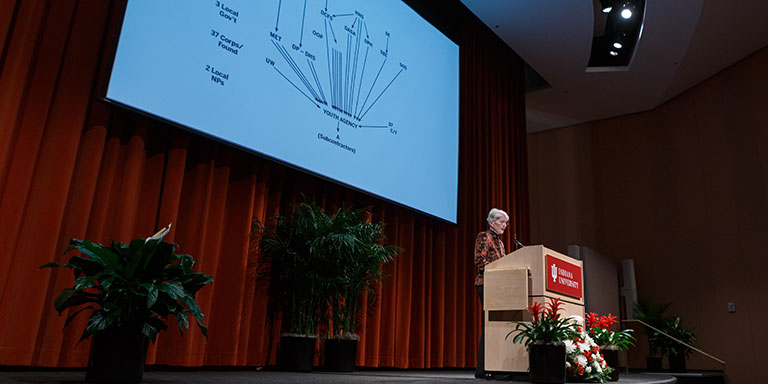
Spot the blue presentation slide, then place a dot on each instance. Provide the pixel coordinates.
(364, 92)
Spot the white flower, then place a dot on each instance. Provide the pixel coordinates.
(597, 366)
(570, 347)
(583, 347)
(567, 364)
(588, 369)
(577, 319)
(159, 235)
(581, 360)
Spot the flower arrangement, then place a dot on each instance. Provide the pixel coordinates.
(599, 328)
(584, 362)
(547, 326)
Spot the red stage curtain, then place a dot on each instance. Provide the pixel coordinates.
(72, 166)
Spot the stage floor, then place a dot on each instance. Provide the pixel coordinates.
(269, 377)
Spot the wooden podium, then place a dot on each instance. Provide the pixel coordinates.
(512, 283)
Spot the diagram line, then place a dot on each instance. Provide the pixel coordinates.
(333, 78)
(362, 75)
(373, 126)
(302, 75)
(303, 15)
(345, 14)
(346, 74)
(337, 76)
(326, 5)
(317, 80)
(339, 65)
(366, 29)
(333, 33)
(295, 67)
(328, 54)
(287, 56)
(372, 85)
(382, 92)
(297, 88)
(277, 23)
(354, 72)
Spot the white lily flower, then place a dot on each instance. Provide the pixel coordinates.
(588, 369)
(160, 234)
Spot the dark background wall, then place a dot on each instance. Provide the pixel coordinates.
(682, 190)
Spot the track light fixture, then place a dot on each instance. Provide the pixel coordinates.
(618, 24)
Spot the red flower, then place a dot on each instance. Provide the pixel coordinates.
(535, 310)
(592, 319)
(607, 321)
(553, 307)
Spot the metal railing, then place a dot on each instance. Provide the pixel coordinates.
(680, 342)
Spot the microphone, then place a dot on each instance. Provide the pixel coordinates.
(517, 242)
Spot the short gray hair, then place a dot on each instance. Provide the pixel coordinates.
(495, 214)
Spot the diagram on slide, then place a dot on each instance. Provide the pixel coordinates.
(333, 59)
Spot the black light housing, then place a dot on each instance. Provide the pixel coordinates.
(615, 35)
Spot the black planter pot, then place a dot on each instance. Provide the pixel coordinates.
(117, 356)
(296, 353)
(340, 355)
(653, 364)
(677, 364)
(611, 356)
(546, 363)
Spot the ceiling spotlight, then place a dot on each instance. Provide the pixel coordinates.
(614, 53)
(626, 13)
(617, 45)
(607, 9)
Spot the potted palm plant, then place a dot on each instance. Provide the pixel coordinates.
(653, 315)
(675, 351)
(294, 259)
(319, 263)
(610, 342)
(129, 290)
(545, 336)
(356, 254)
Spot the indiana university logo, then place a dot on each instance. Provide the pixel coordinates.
(554, 272)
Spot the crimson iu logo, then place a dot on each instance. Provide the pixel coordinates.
(554, 272)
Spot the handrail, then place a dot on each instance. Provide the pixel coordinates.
(679, 341)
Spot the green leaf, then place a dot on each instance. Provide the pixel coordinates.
(151, 295)
(174, 289)
(98, 321)
(135, 256)
(183, 322)
(78, 298)
(61, 301)
(98, 253)
(84, 282)
(54, 265)
(72, 316)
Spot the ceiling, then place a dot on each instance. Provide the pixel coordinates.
(682, 43)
